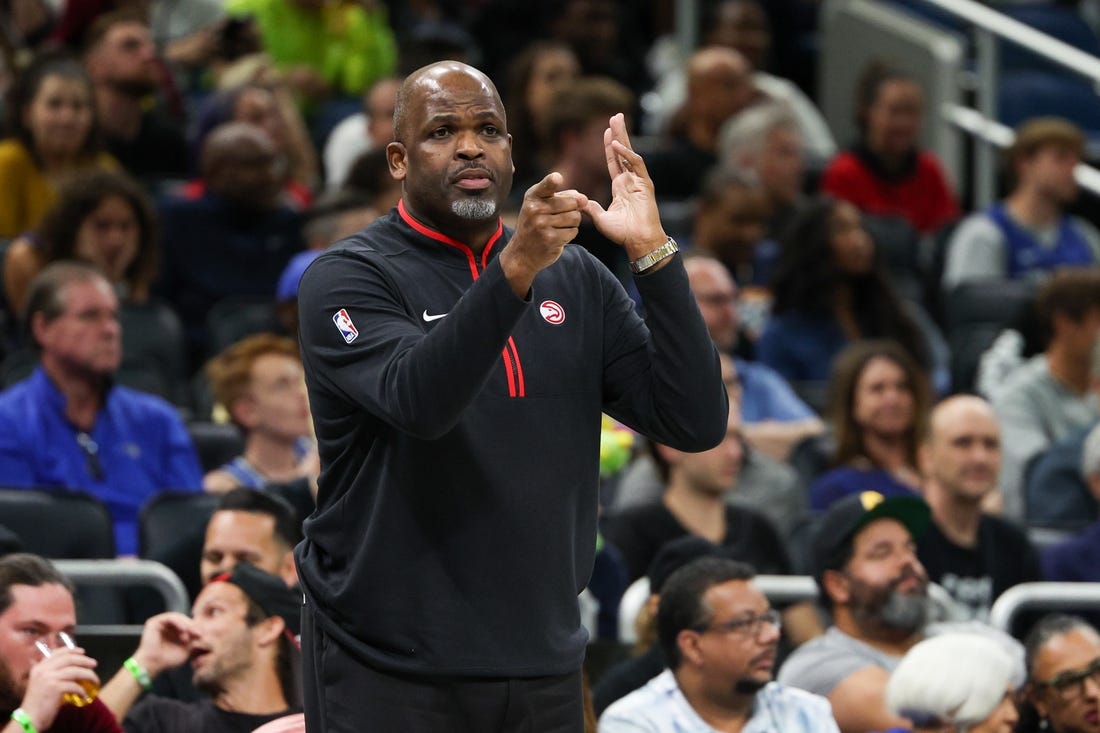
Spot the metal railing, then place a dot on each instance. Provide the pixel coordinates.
(989, 26)
(146, 573)
(1018, 598)
(1001, 136)
(1046, 596)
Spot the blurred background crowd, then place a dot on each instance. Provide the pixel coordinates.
(169, 168)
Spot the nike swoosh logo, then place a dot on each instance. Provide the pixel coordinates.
(429, 318)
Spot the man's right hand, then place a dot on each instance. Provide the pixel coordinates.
(165, 642)
(50, 679)
(548, 220)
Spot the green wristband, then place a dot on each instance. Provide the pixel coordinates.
(20, 716)
(139, 673)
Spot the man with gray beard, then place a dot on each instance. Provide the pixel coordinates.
(871, 581)
(457, 369)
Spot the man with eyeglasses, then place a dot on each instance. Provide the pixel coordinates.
(36, 605)
(69, 425)
(776, 419)
(720, 637)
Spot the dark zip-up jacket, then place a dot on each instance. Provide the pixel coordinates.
(458, 428)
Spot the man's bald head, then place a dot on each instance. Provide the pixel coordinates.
(961, 454)
(233, 140)
(717, 58)
(240, 162)
(428, 80)
(716, 296)
(957, 409)
(719, 82)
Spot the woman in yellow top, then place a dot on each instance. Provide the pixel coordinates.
(52, 135)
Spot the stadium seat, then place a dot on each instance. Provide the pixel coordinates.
(974, 313)
(231, 319)
(171, 528)
(154, 354)
(1026, 94)
(1056, 494)
(897, 246)
(810, 456)
(71, 525)
(216, 443)
(1057, 21)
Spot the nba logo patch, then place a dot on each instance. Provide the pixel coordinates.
(344, 324)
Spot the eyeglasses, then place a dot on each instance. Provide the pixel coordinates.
(1071, 685)
(91, 453)
(747, 626)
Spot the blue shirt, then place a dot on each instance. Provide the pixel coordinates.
(1075, 560)
(660, 707)
(143, 448)
(1026, 254)
(801, 347)
(765, 395)
(845, 481)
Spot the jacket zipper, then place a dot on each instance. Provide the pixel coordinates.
(513, 369)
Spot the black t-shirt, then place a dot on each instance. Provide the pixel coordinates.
(158, 152)
(679, 169)
(162, 715)
(639, 532)
(976, 576)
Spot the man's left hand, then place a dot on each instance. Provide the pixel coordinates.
(632, 219)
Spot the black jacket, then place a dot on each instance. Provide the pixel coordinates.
(456, 517)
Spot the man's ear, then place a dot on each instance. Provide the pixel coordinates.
(688, 641)
(37, 328)
(288, 571)
(268, 631)
(242, 412)
(397, 157)
(671, 456)
(836, 586)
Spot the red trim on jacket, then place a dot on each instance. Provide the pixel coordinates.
(516, 386)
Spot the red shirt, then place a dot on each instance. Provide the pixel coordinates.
(922, 196)
(94, 718)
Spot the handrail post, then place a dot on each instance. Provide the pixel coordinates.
(687, 21)
(985, 155)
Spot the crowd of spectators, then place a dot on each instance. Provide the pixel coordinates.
(169, 170)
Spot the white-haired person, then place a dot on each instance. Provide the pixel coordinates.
(955, 682)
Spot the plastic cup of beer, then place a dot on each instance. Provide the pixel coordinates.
(91, 689)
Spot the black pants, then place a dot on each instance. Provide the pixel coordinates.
(343, 695)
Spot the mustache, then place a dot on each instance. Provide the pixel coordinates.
(909, 574)
(474, 167)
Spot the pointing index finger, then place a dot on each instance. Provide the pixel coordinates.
(548, 186)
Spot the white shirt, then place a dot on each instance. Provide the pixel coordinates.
(660, 707)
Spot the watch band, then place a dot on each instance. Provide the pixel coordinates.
(645, 262)
(20, 716)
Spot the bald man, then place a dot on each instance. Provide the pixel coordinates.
(457, 370)
(230, 236)
(776, 419)
(719, 85)
(974, 555)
